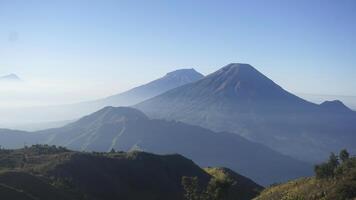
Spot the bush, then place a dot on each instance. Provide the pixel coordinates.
(327, 170)
(217, 189)
(324, 170)
(346, 190)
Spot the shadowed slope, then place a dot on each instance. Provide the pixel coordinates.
(45, 172)
(128, 129)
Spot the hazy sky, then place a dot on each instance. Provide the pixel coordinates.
(75, 50)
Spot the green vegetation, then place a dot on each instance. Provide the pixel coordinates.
(225, 185)
(327, 169)
(344, 155)
(334, 180)
(217, 189)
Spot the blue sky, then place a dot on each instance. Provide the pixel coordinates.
(82, 50)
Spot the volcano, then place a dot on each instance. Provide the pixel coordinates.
(240, 99)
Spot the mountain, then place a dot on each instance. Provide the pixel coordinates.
(127, 129)
(35, 116)
(240, 99)
(10, 77)
(47, 172)
(170, 81)
(335, 106)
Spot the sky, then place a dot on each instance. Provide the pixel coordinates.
(68, 51)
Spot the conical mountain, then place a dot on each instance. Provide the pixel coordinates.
(238, 98)
(126, 129)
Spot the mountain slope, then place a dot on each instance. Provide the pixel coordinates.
(239, 99)
(47, 172)
(129, 129)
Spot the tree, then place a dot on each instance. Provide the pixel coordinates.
(344, 155)
(112, 150)
(217, 189)
(333, 161)
(191, 188)
(324, 170)
(327, 170)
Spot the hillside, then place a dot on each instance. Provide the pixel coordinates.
(126, 129)
(240, 99)
(46, 172)
(342, 186)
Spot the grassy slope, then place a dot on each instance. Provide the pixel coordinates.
(341, 187)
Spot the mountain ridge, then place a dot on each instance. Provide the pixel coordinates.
(127, 129)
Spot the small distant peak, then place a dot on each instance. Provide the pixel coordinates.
(335, 106)
(333, 103)
(12, 77)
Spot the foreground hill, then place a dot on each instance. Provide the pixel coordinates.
(240, 99)
(342, 186)
(41, 114)
(126, 129)
(47, 172)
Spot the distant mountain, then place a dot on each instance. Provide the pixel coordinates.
(170, 81)
(128, 129)
(41, 114)
(36, 126)
(10, 77)
(240, 99)
(46, 172)
(335, 106)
